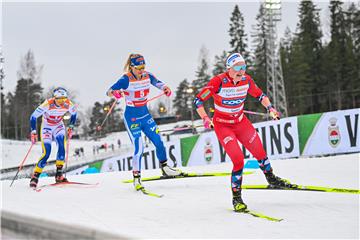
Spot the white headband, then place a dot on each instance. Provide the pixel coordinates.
(234, 59)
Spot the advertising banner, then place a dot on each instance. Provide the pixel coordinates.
(280, 140)
(148, 161)
(333, 132)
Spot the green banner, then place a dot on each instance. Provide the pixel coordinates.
(187, 144)
(306, 125)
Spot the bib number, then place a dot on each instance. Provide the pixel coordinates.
(142, 93)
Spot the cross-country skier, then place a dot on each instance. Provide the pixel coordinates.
(229, 91)
(52, 128)
(135, 85)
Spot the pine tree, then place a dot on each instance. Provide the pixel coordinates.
(285, 56)
(29, 69)
(238, 37)
(202, 77)
(220, 63)
(97, 116)
(182, 100)
(309, 39)
(259, 40)
(340, 60)
(27, 96)
(297, 101)
(353, 31)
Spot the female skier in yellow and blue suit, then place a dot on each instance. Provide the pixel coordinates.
(52, 128)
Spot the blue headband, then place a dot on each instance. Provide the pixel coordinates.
(137, 61)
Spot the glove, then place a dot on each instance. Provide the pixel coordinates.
(208, 124)
(274, 114)
(70, 131)
(116, 94)
(33, 136)
(167, 91)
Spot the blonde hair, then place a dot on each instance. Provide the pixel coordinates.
(128, 61)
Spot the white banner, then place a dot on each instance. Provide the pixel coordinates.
(148, 161)
(280, 140)
(335, 132)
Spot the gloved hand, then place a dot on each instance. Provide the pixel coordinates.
(167, 91)
(274, 113)
(33, 136)
(116, 94)
(70, 131)
(208, 124)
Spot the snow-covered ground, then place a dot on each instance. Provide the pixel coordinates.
(13, 152)
(201, 207)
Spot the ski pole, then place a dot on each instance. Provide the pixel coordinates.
(255, 113)
(22, 163)
(67, 154)
(153, 98)
(107, 115)
(179, 129)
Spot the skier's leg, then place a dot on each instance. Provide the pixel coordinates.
(133, 128)
(248, 136)
(227, 139)
(151, 130)
(46, 139)
(59, 135)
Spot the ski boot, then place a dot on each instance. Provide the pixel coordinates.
(238, 203)
(277, 182)
(168, 171)
(137, 181)
(59, 177)
(34, 179)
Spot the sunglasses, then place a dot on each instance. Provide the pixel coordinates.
(239, 68)
(63, 99)
(141, 67)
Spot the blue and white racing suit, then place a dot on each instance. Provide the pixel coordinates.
(137, 117)
(52, 128)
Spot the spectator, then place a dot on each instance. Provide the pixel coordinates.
(82, 151)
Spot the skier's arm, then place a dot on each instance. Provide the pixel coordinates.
(199, 101)
(159, 84)
(210, 89)
(255, 91)
(73, 112)
(121, 84)
(206, 93)
(156, 82)
(39, 111)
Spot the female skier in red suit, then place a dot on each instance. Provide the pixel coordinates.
(229, 91)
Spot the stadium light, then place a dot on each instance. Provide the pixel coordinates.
(273, 4)
(190, 90)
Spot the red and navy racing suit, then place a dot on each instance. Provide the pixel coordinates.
(230, 123)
